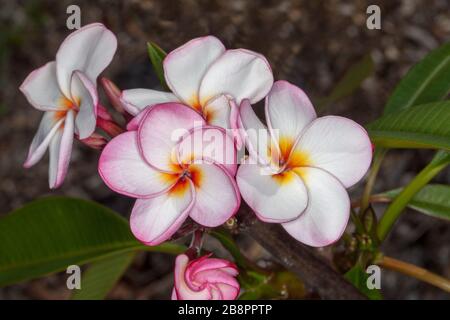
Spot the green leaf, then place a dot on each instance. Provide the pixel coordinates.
(157, 56)
(440, 161)
(102, 275)
(49, 234)
(428, 81)
(358, 277)
(351, 81)
(227, 241)
(433, 200)
(423, 126)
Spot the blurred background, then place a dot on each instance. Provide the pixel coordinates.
(309, 43)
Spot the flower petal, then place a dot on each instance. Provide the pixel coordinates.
(289, 111)
(242, 74)
(89, 50)
(183, 291)
(47, 129)
(216, 194)
(337, 145)
(228, 292)
(208, 144)
(124, 170)
(256, 136)
(206, 263)
(217, 112)
(326, 217)
(84, 91)
(160, 131)
(41, 88)
(155, 220)
(133, 124)
(135, 100)
(185, 66)
(60, 151)
(274, 198)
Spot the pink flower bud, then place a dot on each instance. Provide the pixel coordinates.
(205, 278)
(103, 113)
(110, 127)
(95, 141)
(113, 93)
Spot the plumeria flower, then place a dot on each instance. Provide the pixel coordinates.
(205, 76)
(312, 160)
(65, 89)
(205, 278)
(172, 177)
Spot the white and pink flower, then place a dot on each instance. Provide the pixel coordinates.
(205, 76)
(65, 89)
(299, 178)
(172, 178)
(205, 278)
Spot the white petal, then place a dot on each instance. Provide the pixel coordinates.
(185, 66)
(124, 170)
(274, 198)
(156, 219)
(135, 100)
(288, 112)
(60, 151)
(41, 88)
(240, 73)
(89, 50)
(47, 129)
(217, 112)
(216, 195)
(256, 136)
(85, 93)
(326, 217)
(337, 145)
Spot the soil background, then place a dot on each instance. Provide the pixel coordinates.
(309, 43)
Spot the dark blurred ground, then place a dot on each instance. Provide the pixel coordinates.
(310, 43)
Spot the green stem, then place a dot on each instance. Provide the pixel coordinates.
(416, 272)
(377, 160)
(439, 162)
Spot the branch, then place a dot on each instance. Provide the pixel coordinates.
(297, 258)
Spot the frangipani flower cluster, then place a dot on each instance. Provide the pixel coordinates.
(178, 160)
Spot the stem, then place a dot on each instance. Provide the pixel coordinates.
(439, 162)
(416, 272)
(377, 160)
(376, 198)
(197, 241)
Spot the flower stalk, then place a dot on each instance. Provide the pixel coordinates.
(416, 272)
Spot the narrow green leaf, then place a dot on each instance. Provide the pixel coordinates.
(423, 126)
(433, 200)
(49, 234)
(350, 81)
(440, 161)
(358, 277)
(428, 81)
(102, 275)
(157, 56)
(227, 241)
